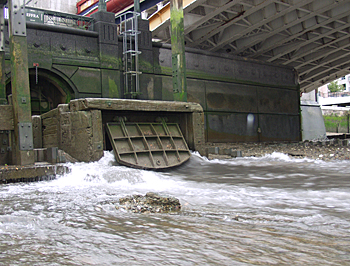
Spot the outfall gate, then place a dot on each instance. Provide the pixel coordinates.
(80, 129)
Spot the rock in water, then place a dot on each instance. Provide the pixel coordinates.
(150, 203)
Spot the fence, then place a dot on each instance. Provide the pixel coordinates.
(43, 16)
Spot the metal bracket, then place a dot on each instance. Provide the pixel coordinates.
(25, 131)
(18, 17)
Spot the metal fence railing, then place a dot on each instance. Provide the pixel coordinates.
(50, 17)
(334, 94)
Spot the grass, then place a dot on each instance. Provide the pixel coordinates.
(337, 124)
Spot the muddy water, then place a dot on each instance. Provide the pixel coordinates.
(267, 211)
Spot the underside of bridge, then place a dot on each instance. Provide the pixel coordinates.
(310, 35)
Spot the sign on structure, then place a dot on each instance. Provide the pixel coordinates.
(34, 15)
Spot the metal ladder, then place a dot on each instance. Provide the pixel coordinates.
(128, 28)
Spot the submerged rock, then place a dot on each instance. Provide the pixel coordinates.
(150, 203)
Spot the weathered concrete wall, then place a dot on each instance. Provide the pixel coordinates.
(313, 125)
(77, 128)
(243, 100)
(78, 133)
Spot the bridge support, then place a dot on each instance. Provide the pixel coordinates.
(178, 50)
(2, 57)
(23, 132)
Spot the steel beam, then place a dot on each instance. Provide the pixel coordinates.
(178, 50)
(272, 45)
(23, 137)
(229, 38)
(226, 24)
(269, 38)
(2, 58)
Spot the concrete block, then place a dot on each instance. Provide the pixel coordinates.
(51, 154)
(227, 151)
(39, 155)
(213, 150)
(236, 153)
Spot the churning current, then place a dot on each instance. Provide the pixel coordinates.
(248, 211)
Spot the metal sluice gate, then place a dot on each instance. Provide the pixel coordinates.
(148, 145)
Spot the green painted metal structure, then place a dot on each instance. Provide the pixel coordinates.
(148, 145)
(66, 64)
(178, 50)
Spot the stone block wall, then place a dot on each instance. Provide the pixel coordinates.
(77, 133)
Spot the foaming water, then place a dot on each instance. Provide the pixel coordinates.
(272, 210)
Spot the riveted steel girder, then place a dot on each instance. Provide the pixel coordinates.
(296, 33)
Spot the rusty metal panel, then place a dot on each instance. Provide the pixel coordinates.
(279, 127)
(229, 127)
(230, 97)
(273, 100)
(148, 145)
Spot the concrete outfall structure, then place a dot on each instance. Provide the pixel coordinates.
(88, 64)
(230, 98)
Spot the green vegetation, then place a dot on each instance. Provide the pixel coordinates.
(334, 87)
(336, 124)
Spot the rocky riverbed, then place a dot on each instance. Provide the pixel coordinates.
(319, 150)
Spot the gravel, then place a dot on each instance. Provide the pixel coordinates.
(318, 150)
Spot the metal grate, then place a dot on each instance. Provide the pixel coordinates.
(148, 145)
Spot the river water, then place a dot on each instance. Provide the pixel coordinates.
(248, 211)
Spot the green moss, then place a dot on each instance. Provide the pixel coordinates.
(145, 66)
(111, 62)
(338, 124)
(113, 89)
